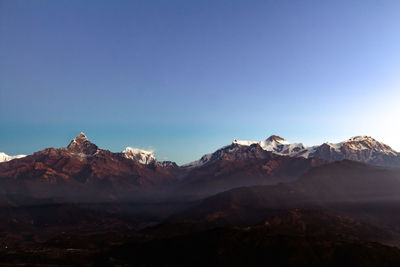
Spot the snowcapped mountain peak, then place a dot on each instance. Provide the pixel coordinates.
(281, 146)
(81, 136)
(140, 155)
(243, 142)
(368, 143)
(276, 138)
(368, 139)
(4, 157)
(359, 138)
(271, 141)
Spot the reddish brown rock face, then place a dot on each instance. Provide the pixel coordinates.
(79, 169)
(81, 145)
(239, 165)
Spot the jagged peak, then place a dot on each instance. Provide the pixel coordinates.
(81, 144)
(275, 138)
(81, 136)
(360, 138)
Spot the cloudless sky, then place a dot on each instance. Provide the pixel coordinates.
(186, 77)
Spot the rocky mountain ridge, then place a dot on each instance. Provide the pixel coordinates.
(81, 171)
(360, 148)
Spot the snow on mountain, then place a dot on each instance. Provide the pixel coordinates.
(4, 157)
(368, 143)
(217, 154)
(140, 155)
(82, 147)
(359, 148)
(203, 160)
(279, 146)
(275, 144)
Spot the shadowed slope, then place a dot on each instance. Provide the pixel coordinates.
(334, 184)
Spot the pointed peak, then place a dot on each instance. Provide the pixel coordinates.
(275, 138)
(81, 144)
(81, 136)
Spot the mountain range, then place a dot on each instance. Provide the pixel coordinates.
(83, 171)
(359, 148)
(271, 203)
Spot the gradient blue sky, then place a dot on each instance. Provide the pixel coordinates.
(186, 77)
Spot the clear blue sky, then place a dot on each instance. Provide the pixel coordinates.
(186, 77)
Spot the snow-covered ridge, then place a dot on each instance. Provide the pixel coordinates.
(367, 142)
(140, 155)
(4, 157)
(213, 156)
(282, 147)
(203, 160)
(275, 144)
(279, 145)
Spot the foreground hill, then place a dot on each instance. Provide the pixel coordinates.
(293, 238)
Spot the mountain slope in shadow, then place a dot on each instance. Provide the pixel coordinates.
(335, 186)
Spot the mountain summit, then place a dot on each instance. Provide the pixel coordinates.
(81, 145)
(359, 148)
(276, 139)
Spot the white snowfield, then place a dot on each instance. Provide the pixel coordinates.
(140, 155)
(4, 157)
(281, 146)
